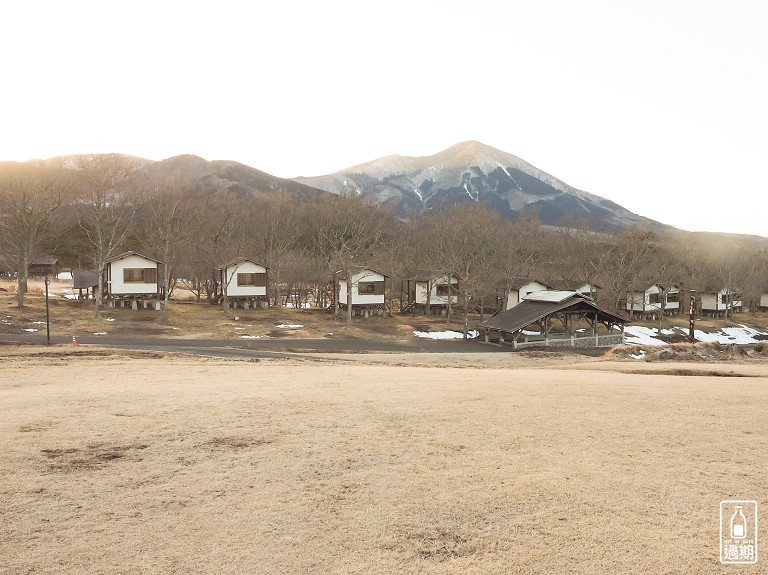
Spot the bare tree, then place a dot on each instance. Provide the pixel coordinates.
(221, 225)
(520, 249)
(628, 255)
(346, 230)
(275, 222)
(466, 238)
(30, 195)
(733, 269)
(168, 227)
(107, 207)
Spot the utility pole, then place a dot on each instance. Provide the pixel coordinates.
(47, 314)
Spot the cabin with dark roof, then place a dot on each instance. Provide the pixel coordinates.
(429, 291)
(649, 301)
(244, 282)
(368, 291)
(716, 302)
(133, 279)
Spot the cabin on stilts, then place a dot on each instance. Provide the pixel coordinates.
(554, 318)
(429, 292)
(131, 279)
(244, 284)
(368, 291)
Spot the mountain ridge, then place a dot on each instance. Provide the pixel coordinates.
(472, 171)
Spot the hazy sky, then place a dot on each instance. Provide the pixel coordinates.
(661, 106)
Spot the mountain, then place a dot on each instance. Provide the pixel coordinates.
(473, 172)
(224, 175)
(200, 175)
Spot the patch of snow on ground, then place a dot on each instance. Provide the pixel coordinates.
(449, 334)
(110, 319)
(290, 326)
(641, 335)
(239, 328)
(640, 355)
(300, 306)
(38, 323)
(69, 296)
(99, 333)
(742, 335)
(29, 329)
(64, 276)
(250, 337)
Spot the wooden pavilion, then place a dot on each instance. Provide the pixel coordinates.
(554, 318)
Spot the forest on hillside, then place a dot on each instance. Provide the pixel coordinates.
(91, 209)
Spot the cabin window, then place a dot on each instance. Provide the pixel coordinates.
(673, 297)
(734, 297)
(140, 275)
(252, 280)
(653, 298)
(370, 288)
(444, 289)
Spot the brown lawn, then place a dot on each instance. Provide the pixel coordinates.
(120, 464)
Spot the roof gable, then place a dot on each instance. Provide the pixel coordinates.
(128, 254)
(517, 283)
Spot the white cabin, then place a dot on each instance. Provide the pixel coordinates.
(516, 289)
(651, 300)
(764, 299)
(715, 303)
(439, 288)
(245, 282)
(133, 277)
(367, 287)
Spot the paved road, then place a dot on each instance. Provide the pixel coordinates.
(256, 348)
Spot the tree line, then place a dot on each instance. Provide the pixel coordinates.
(89, 209)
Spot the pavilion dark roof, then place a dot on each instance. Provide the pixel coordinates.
(45, 261)
(529, 311)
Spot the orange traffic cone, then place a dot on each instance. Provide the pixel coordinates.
(74, 340)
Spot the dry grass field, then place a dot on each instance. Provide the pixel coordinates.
(118, 462)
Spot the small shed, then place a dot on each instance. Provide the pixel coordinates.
(44, 266)
(764, 298)
(245, 283)
(85, 280)
(133, 279)
(429, 291)
(512, 291)
(554, 318)
(368, 289)
(648, 301)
